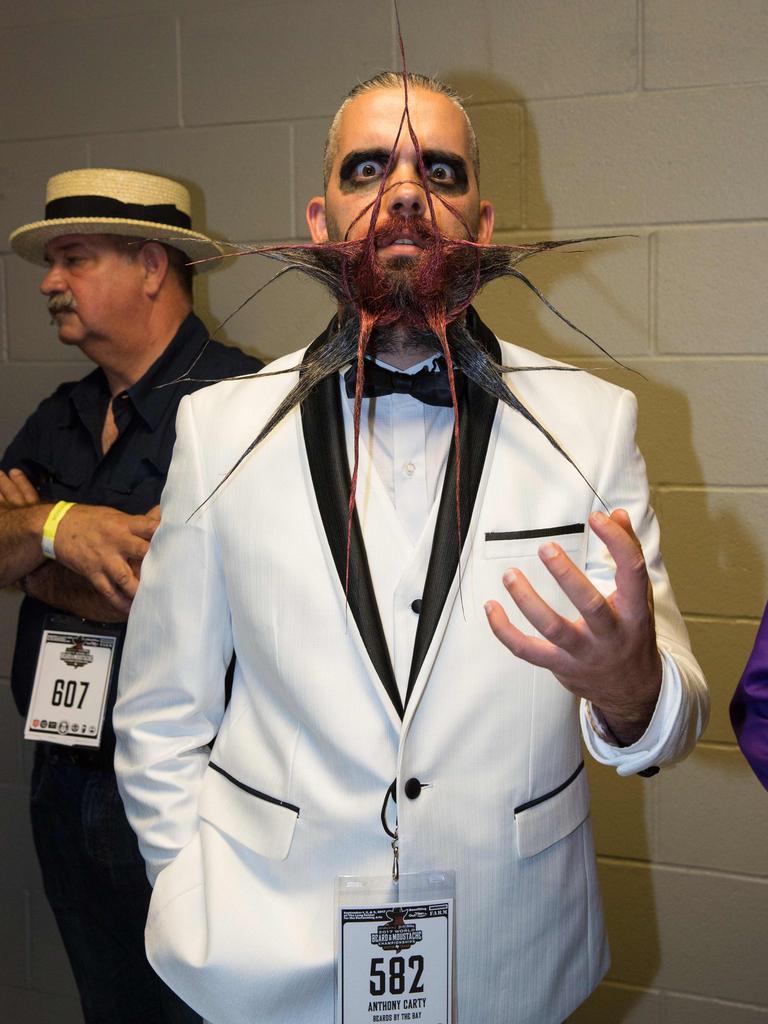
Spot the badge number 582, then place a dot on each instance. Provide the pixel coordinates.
(399, 976)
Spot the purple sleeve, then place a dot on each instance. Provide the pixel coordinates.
(749, 707)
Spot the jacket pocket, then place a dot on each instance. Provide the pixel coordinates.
(542, 822)
(263, 823)
(513, 544)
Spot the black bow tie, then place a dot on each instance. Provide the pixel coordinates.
(429, 385)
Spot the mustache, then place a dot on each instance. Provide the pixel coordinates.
(394, 226)
(61, 301)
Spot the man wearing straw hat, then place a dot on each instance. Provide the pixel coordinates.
(79, 489)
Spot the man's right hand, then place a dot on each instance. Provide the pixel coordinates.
(106, 547)
(16, 490)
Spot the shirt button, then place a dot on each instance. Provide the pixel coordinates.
(412, 788)
(409, 469)
(416, 606)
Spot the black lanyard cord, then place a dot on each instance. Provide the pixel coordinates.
(390, 794)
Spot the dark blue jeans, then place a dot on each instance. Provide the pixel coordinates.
(95, 882)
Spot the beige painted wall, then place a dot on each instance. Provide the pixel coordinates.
(645, 118)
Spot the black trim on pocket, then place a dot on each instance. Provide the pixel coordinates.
(254, 792)
(553, 792)
(549, 531)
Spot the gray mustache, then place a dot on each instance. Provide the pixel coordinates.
(57, 303)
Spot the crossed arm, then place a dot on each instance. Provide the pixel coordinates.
(98, 552)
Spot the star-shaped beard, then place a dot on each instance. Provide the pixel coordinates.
(426, 295)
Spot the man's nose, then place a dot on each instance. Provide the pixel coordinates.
(406, 198)
(52, 282)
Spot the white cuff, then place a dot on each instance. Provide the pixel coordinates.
(658, 741)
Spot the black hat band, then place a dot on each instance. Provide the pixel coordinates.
(104, 206)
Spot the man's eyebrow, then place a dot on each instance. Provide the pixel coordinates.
(443, 156)
(60, 250)
(66, 246)
(357, 156)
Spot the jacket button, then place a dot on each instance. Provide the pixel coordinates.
(412, 788)
(416, 606)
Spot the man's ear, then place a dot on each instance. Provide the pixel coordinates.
(154, 261)
(318, 229)
(487, 219)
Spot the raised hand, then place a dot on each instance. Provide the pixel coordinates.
(608, 656)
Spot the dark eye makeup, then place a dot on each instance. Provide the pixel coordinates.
(447, 171)
(352, 173)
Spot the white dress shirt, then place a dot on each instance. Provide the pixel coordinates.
(408, 444)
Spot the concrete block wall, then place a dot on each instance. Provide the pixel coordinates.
(640, 118)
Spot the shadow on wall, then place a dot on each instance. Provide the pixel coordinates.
(282, 318)
(285, 316)
(716, 563)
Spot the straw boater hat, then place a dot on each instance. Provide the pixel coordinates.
(103, 201)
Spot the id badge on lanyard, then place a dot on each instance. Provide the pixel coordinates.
(394, 949)
(69, 694)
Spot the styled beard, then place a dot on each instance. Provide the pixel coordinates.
(431, 298)
(428, 296)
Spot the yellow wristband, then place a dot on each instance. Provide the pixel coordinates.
(51, 525)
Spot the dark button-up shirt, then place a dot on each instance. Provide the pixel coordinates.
(59, 449)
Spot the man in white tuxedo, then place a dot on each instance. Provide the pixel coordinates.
(373, 709)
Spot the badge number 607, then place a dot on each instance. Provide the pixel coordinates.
(65, 693)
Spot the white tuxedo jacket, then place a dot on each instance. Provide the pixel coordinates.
(244, 841)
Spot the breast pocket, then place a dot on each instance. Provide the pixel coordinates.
(514, 544)
(262, 822)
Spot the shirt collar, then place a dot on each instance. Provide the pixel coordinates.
(148, 397)
(430, 362)
(88, 398)
(91, 394)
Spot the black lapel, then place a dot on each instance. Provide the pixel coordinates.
(476, 413)
(323, 427)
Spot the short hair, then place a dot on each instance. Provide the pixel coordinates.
(181, 268)
(178, 262)
(394, 80)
